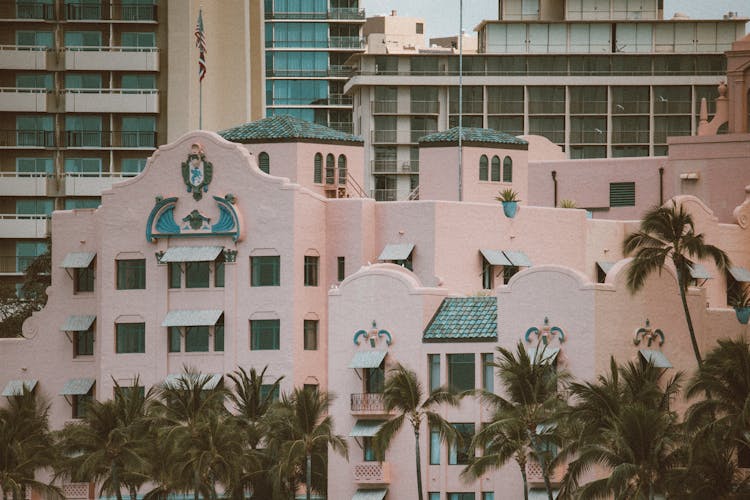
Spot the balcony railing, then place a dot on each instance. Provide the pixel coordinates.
(333, 42)
(372, 473)
(345, 127)
(385, 194)
(24, 183)
(106, 58)
(24, 225)
(367, 403)
(17, 10)
(27, 138)
(384, 107)
(425, 107)
(23, 99)
(86, 10)
(13, 264)
(346, 13)
(346, 42)
(98, 139)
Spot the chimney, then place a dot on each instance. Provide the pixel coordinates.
(393, 13)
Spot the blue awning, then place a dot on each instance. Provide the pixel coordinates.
(517, 258)
(77, 323)
(698, 272)
(658, 358)
(396, 251)
(77, 386)
(78, 260)
(191, 254)
(376, 494)
(740, 274)
(15, 387)
(495, 257)
(366, 428)
(207, 317)
(367, 359)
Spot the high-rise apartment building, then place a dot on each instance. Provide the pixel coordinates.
(600, 78)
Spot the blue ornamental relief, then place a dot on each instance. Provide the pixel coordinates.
(161, 221)
(197, 173)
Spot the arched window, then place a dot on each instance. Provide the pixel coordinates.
(342, 170)
(495, 171)
(318, 170)
(507, 169)
(330, 168)
(264, 162)
(483, 175)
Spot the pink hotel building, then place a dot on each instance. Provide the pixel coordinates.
(261, 251)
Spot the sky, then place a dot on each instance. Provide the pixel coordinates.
(442, 16)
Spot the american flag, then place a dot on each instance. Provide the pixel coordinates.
(200, 42)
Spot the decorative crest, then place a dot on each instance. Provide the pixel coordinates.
(545, 333)
(648, 334)
(197, 172)
(373, 335)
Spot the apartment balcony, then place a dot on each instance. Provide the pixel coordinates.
(24, 100)
(332, 42)
(368, 404)
(372, 473)
(535, 477)
(23, 184)
(111, 101)
(111, 59)
(347, 14)
(14, 265)
(24, 226)
(30, 57)
(394, 167)
(27, 139)
(384, 107)
(346, 42)
(426, 107)
(391, 137)
(90, 184)
(388, 194)
(88, 10)
(17, 11)
(345, 127)
(92, 139)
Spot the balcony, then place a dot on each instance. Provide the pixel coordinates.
(24, 99)
(23, 139)
(93, 139)
(23, 184)
(391, 137)
(24, 226)
(31, 57)
(535, 477)
(385, 194)
(392, 166)
(27, 11)
(11, 265)
(111, 59)
(426, 107)
(384, 107)
(368, 404)
(345, 127)
(372, 473)
(89, 10)
(346, 42)
(111, 101)
(90, 184)
(347, 14)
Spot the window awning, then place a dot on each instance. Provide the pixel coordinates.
(605, 266)
(207, 317)
(173, 380)
(698, 272)
(191, 254)
(740, 274)
(366, 428)
(495, 257)
(396, 251)
(517, 258)
(378, 494)
(77, 323)
(78, 260)
(77, 387)
(367, 359)
(548, 355)
(656, 357)
(15, 387)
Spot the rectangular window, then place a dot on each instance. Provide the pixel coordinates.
(434, 362)
(80, 404)
(35, 130)
(83, 81)
(311, 270)
(265, 271)
(83, 279)
(341, 268)
(488, 372)
(130, 338)
(140, 81)
(79, 203)
(434, 447)
(123, 391)
(488, 495)
(196, 274)
(130, 167)
(622, 194)
(488, 275)
(219, 270)
(138, 39)
(34, 81)
(434, 496)
(131, 274)
(368, 449)
(196, 339)
(264, 334)
(311, 334)
(30, 166)
(83, 39)
(85, 167)
(374, 379)
(266, 389)
(461, 496)
(219, 337)
(461, 372)
(83, 342)
(139, 131)
(34, 38)
(175, 274)
(175, 342)
(460, 453)
(83, 131)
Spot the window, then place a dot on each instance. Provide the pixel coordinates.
(420, 28)
(311, 270)
(310, 332)
(434, 362)
(83, 279)
(341, 268)
(318, 169)
(131, 274)
(83, 131)
(139, 10)
(264, 162)
(77, 203)
(35, 130)
(488, 275)
(434, 496)
(264, 271)
(80, 404)
(138, 131)
(26, 167)
(83, 39)
(174, 339)
(272, 389)
(508, 169)
(219, 271)
(434, 447)
(342, 170)
(509, 272)
(219, 336)
(488, 495)
(138, 39)
(34, 38)
(84, 167)
(77, 9)
(139, 81)
(130, 167)
(461, 371)
(175, 274)
(310, 387)
(460, 496)
(374, 379)
(35, 9)
(26, 252)
(83, 81)
(368, 449)
(622, 194)
(488, 372)
(495, 169)
(196, 274)
(460, 452)
(196, 339)
(34, 81)
(483, 168)
(130, 338)
(123, 391)
(330, 168)
(83, 342)
(264, 334)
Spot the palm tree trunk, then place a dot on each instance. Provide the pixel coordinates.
(522, 466)
(308, 475)
(116, 481)
(419, 464)
(133, 493)
(689, 320)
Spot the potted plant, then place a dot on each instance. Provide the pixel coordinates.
(509, 199)
(739, 298)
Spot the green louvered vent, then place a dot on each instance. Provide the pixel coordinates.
(264, 162)
(622, 194)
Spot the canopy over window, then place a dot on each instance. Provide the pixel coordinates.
(15, 387)
(605, 266)
(517, 258)
(378, 494)
(656, 357)
(367, 359)
(547, 354)
(77, 387)
(740, 274)
(396, 251)
(78, 260)
(191, 254)
(173, 380)
(698, 272)
(77, 323)
(207, 317)
(366, 428)
(495, 257)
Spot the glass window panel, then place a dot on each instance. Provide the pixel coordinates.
(83, 130)
(584, 152)
(672, 99)
(461, 372)
(424, 65)
(318, 169)
(83, 279)
(505, 100)
(630, 100)
(506, 65)
(483, 176)
(130, 338)
(34, 81)
(174, 342)
(175, 274)
(264, 334)
(461, 453)
(495, 169)
(434, 447)
(138, 131)
(219, 271)
(310, 333)
(34, 38)
(219, 337)
(507, 169)
(588, 100)
(196, 339)
(83, 39)
(138, 39)
(631, 65)
(83, 81)
(670, 126)
(34, 207)
(273, 390)
(138, 81)
(434, 362)
(546, 100)
(512, 125)
(84, 166)
(588, 129)
(196, 274)
(553, 127)
(34, 166)
(132, 166)
(77, 203)
(341, 268)
(630, 129)
(311, 270)
(488, 372)
(83, 342)
(131, 274)
(374, 379)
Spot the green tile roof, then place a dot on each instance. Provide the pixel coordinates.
(284, 128)
(469, 134)
(464, 319)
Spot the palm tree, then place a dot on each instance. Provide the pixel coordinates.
(404, 393)
(26, 446)
(302, 430)
(668, 232)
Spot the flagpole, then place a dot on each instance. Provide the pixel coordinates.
(200, 104)
(200, 43)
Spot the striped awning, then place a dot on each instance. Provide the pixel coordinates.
(367, 359)
(15, 387)
(376, 494)
(366, 428)
(396, 251)
(547, 354)
(77, 323)
(173, 380)
(495, 257)
(698, 272)
(517, 258)
(191, 254)
(740, 274)
(605, 265)
(78, 260)
(656, 357)
(77, 387)
(207, 317)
